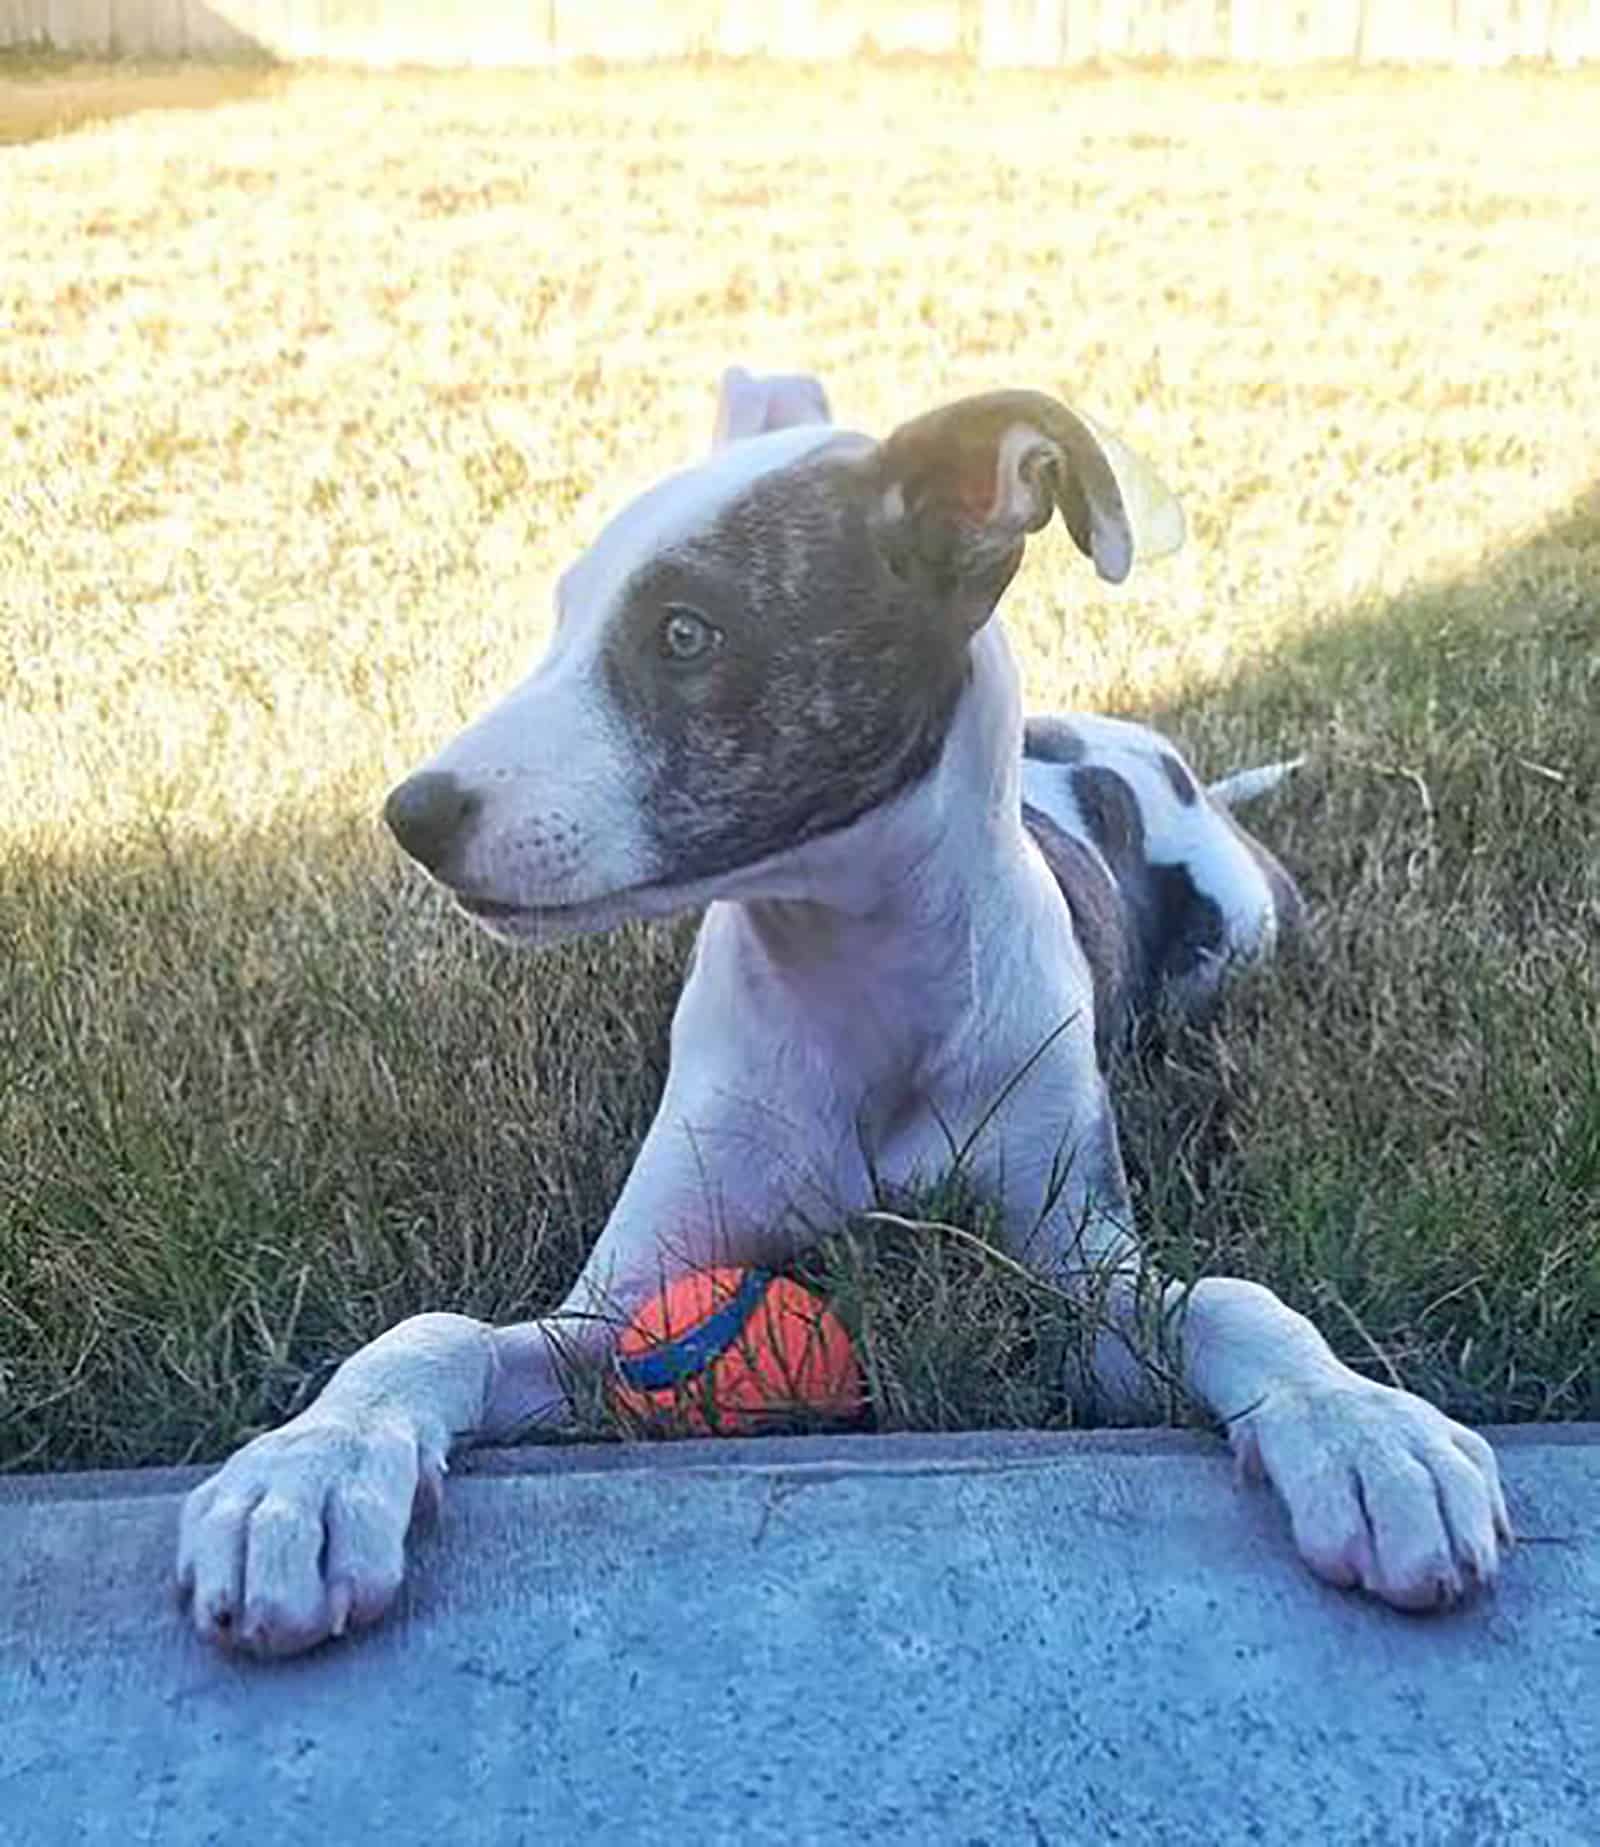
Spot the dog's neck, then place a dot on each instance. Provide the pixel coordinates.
(900, 889)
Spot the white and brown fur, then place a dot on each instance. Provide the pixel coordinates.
(778, 688)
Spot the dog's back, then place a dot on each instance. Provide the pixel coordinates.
(1167, 891)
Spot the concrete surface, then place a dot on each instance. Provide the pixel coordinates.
(968, 1640)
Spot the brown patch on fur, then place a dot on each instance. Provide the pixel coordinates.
(1174, 923)
(1110, 811)
(946, 463)
(832, 688)
(1100, 922)
(1183, 785)
(1053, 740)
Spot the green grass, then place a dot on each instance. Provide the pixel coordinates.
(306, 396)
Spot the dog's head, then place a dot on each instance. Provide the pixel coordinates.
(758, 652)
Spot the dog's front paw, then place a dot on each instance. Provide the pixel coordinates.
(1383, 1491)
(302, 1532)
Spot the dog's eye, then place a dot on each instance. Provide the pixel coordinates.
(686, 635)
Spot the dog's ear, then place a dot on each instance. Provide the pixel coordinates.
(750, 406)
(961, 488)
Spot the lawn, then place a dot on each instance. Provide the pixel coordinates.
(309, 386)
(45, 93)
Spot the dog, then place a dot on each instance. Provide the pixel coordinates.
(777, 687)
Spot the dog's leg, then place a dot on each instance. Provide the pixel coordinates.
(1383, 1491)
(302, 1532)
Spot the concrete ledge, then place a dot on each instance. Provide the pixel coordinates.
(996, 1638)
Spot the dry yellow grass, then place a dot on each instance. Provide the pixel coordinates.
(304, 395)
(305, 398)
(45, 94)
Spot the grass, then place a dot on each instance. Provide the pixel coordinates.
(44, 93)
(306, 396)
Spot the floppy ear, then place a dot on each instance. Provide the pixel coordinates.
(961, 488)
(749, 406)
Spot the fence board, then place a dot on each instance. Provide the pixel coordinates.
(997, 32)
(24, 22)
(85, 25)
(152, 29)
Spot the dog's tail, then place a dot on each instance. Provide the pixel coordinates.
(1248, 785)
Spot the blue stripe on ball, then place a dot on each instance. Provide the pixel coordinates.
(673, 1361)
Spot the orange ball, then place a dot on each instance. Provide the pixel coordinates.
(732, 1352)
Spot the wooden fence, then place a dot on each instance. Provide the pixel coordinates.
(995, 32)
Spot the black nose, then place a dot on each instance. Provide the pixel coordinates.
(427, 813)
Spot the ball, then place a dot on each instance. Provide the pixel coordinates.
(734, 1352)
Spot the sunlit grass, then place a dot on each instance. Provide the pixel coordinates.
(304, 399)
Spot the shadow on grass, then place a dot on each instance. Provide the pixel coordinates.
(1400, 1128)
(44, 94)
(261, 1100)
